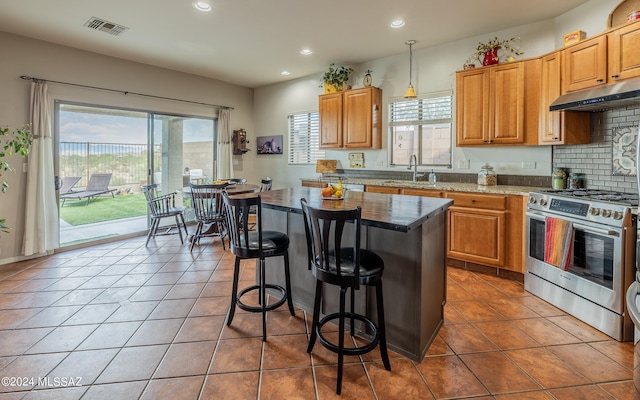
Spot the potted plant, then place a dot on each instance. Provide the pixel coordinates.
(335, 78)
(488, 53)
(12, 142)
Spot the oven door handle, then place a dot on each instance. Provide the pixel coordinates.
(596, 230)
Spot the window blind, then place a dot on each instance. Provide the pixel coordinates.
(304, 138)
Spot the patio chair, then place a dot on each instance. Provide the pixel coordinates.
(97, 186)
(160, 207)
(68, 182)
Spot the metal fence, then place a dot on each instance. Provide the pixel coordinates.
(127, 162)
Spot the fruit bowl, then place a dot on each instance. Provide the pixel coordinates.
(333, 197)
(332, 192)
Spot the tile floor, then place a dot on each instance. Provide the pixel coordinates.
(121, 321)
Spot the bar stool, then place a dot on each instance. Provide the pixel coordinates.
(347, 267)
(258, 244)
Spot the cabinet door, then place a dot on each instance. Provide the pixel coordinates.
(559, 127)
(330, 109)
(551, 89)
(472, 107)
(506, 104)
(476, 235)
(585, 64)
(624, 53)
(361, 118)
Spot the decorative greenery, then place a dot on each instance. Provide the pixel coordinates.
(337, 76)
(16, 141)
(509, 47)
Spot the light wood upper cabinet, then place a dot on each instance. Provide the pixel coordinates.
(351, 119)
(472, 106)
(585, 64)
(490, 105)
(361, 118)
(330, 107)
(506, 106)
(624, 53)
(558, 127)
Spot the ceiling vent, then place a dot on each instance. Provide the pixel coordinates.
(105, 26)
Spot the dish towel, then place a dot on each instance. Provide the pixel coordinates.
(558, 242)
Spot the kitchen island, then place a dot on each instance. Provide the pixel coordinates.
(408, 232)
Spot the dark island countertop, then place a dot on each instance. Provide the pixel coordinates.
(387, 211)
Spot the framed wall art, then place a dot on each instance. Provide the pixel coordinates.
(269, 144)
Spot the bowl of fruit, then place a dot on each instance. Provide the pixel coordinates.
(333, 191)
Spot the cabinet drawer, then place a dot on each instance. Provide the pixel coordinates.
(476, 200)
(421, 192)
(314, 184)
(382, 189)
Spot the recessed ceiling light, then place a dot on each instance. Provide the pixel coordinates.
(285, 73)
(397, 24)
(202, 6)
(305, 52)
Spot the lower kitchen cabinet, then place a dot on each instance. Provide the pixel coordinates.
(487, 229)
(477, 235)
(484, 229)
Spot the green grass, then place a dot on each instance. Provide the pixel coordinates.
(103, 209)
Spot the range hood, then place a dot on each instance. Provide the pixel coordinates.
(600, 98)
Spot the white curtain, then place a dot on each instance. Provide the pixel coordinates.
(41, 212)
(224, 166)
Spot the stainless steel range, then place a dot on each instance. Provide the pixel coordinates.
(595, 232)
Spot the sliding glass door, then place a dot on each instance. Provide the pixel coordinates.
(104, 156)
(183, 152)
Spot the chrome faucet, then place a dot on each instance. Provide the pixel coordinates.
(413, 161)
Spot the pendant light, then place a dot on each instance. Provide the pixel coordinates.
(410, 93)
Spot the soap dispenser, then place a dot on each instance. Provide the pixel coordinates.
(432, 178)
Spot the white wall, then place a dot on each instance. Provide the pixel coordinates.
(433, 70)
(24, 56)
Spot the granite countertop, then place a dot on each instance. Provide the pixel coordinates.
(448, 186)
(386, 211)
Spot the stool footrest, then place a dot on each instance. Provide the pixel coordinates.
(350, 351)
(270, 307)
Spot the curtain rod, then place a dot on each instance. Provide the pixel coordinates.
(29, 78)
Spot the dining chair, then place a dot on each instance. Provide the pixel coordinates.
(335, 257)
(163, 206)
(208, 207)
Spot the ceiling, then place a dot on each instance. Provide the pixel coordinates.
(249, 42)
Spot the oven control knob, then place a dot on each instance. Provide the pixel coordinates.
(543, 202)
(595, 211)
(605, 213)
(532, 200)
(617, 215)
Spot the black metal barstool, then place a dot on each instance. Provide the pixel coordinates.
(347, 267)
(258, 244)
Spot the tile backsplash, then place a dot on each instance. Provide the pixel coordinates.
(595, 160)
